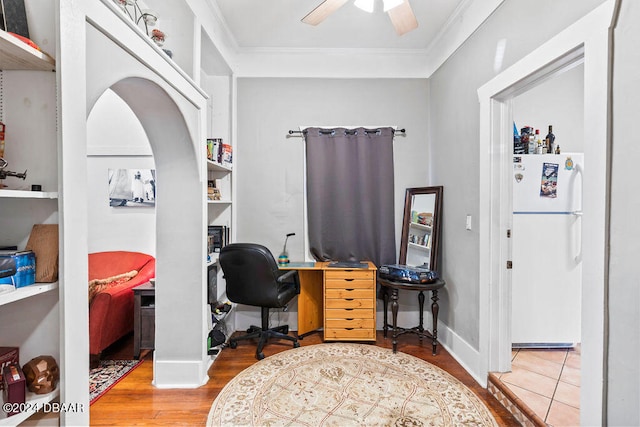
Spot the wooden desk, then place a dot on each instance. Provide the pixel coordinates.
(351, 294)
(311, 298)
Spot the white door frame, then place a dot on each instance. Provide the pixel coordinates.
(588, 40)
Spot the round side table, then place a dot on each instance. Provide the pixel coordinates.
(418, 330)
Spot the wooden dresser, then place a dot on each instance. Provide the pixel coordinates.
(350, 304)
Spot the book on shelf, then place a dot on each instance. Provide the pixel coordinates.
(213, 149)
(219, 152)
(226, 156)
(217, 237)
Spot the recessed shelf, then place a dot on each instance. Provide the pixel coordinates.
(17, 55)
(215, 166)
(26, 292)
(25, 194)
(35, 401)
(213, 258)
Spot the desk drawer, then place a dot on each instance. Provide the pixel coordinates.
(349, 323)
(349, 303)
(349, 334)
(348, 313)
(349, 283)
(348, 274)
(348, 293)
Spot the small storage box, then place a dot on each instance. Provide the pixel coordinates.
(15, 387)
(25, 266)
(8, 356)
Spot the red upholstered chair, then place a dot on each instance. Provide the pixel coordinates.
(111, 309)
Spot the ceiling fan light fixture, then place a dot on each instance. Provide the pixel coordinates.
(366, 5)
(390, 4)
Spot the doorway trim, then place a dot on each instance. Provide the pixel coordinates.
(587, 40)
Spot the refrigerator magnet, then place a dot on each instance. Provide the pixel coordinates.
(548, 186)
(568, 163)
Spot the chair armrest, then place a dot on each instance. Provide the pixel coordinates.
(291, 276)
(285, 277)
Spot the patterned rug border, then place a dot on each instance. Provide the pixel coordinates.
(253, 383)
(124, 368)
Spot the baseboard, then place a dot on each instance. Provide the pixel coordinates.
(180, 373)
(462, 351)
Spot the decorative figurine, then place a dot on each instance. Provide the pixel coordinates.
(42, 374)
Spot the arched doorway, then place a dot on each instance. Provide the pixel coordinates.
(171, 121)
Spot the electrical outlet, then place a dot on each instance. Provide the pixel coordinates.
(468, 225)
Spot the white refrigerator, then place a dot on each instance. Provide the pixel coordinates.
(546, 250)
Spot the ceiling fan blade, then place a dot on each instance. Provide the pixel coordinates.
(324, 9)
(403, 18)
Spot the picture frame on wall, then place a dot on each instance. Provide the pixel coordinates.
(132, 187)
(13, 17)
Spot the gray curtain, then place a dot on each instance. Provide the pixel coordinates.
(350, 194)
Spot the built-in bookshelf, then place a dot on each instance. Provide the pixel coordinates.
(29, 314)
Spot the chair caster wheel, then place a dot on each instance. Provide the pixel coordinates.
(252, 329)
(285, 330)
(233, 344)
(296, 344)
(259, 356)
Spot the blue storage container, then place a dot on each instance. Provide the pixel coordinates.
(25, 266)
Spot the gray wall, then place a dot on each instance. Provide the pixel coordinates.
(269, 175)
(624, 285)
(269, 166)
(454, 136)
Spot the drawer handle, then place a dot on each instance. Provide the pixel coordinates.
(349, 309)
(349, 289)
(349, 329)
(349, 299)
(349, 280)
(349, 318)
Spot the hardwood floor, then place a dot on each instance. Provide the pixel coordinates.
(134, 401)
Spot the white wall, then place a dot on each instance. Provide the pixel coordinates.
(269, 167)
(624, 270)
(116, 140)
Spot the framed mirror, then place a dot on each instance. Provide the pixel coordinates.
(421, 227)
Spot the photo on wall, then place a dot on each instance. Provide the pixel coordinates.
(132, 187)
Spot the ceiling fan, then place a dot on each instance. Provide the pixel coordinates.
(399, 11)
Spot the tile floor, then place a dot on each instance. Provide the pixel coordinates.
(548, 381)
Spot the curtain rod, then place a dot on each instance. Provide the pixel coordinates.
(301, 132)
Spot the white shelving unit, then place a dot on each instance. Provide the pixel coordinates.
(35, 401)
(17, 55)
(22, 194)
(29, 315)
(26, 292)
(217, 82)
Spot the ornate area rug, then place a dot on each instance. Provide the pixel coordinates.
(346, 385)
(108, 374)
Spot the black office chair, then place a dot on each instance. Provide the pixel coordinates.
(253, 278)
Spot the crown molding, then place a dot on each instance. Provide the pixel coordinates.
(468, 16)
